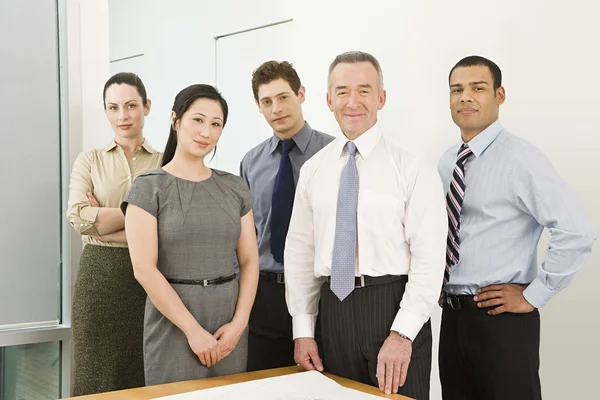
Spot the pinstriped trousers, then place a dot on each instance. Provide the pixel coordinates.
(354, 330)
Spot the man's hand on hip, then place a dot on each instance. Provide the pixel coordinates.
(506, 298)
(392, 362)
(306, 353)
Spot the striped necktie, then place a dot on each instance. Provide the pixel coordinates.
(454, 201)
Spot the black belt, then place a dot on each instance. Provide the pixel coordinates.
(365, 280)
(204, 282)
(459, 302)
(274, 276)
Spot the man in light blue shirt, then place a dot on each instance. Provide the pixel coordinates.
(501, 193)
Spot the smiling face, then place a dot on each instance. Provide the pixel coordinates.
(125, 110)
(281, 107)
(200, 127)
(354, 97)
(474, 103)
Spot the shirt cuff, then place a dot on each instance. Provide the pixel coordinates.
(304, 326)
(84, 227)
(89, 213)
(407, 324)
(538, 294)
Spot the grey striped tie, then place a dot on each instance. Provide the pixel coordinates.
(344, 248)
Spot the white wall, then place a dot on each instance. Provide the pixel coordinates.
(177, 40)
(546, 49)
(94, 52)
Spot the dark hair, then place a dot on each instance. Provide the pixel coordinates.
(273, 70)
(128, 78)
(183, 101)
(353, 57)
(472, 61)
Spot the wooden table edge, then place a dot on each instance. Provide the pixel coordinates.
(168, 389)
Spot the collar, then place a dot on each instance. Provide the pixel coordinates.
(365, 143)
(482, 141)
(145, 145)
(301, 138)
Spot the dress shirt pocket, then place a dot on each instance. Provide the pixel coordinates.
(380, 213)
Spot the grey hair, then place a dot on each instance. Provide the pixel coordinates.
(353, 57)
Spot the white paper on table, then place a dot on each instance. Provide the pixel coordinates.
(310, 385)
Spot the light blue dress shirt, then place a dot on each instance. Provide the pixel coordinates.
(512, 193)
(259, 168)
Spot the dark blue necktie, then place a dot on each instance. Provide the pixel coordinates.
(283, 201)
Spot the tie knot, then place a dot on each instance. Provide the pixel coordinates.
(464, 152)
(287, 146)
(351, 148)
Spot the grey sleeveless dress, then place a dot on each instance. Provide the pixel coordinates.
(198, 230)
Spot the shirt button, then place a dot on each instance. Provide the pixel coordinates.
(133, 158)
(139, 148)
(128, 176)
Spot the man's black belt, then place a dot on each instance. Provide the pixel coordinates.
(365, 280)
(204, 282)
(273, 276)
(459, 302)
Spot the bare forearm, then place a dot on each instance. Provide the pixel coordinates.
(117, 237)
(109, 220)
(165, 299)
(247, 293)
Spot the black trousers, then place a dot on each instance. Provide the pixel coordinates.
(353, 331)
(489, 357)
(270, 340)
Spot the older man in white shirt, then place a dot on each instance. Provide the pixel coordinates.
(366, 238)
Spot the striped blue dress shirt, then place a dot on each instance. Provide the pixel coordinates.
(512, 193)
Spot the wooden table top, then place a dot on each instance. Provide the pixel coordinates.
(149, 392)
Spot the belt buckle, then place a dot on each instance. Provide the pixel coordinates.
(454, 305)
(361, 284)
(205, 282)
(280, 278)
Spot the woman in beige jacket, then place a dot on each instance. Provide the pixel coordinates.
(108, 303)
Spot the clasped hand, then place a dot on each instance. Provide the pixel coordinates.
(211, 349)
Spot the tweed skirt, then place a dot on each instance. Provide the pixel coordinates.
(108, 321)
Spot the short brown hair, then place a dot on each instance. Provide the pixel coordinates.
(273, 70)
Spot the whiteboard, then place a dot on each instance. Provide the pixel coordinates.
(237, 56)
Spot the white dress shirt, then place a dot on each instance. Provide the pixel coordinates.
(402, 228)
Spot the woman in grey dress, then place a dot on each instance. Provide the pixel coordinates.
(185, 223)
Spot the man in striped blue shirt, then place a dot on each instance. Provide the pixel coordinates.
(501, 194)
